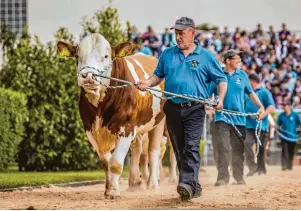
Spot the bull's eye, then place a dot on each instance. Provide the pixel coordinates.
(106, 56)
(84, 75)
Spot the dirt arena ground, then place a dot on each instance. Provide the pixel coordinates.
(276, 190)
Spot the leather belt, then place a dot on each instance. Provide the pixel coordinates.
(184, 105)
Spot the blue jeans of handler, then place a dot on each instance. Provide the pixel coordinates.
(185, 128)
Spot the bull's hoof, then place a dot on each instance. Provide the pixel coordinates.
(113, 197)
(112, 194)
(153, 186)
(135, 186)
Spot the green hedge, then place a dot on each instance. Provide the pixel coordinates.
(13, 114)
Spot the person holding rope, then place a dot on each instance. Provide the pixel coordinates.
(266, 98)
(230, 128)
(187, 69)
(288, 122)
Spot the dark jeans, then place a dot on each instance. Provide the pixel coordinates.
(227, 138)
(288, 149)
(250, 157)
(185, 128)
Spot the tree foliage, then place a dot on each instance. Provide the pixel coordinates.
(107, 23)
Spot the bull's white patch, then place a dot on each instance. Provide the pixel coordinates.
(134, 74)
(121, 149)
(146, 76)
(154, 163)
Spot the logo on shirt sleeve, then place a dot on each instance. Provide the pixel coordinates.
(194, 63)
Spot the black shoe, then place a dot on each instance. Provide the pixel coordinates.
(184, 191)
(251, 172)
(220, 182)
(198, 191)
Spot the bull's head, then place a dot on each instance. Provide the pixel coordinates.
(94, 56)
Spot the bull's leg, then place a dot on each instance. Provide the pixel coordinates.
(144, 158)
(136, 150)
(173, 164)
(105, 160)
(116, 165)
(162, 153)
(155, 138)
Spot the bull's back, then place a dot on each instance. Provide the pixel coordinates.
(144, 64)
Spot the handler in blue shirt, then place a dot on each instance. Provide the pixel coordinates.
(229, 136)
(288, 122)
(187, 69)
(266, 98)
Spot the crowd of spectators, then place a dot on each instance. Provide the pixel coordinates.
(275, 56)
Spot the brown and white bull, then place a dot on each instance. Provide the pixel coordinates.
(112, 118)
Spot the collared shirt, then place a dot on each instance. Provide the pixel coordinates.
(288, 125)
(238, 86)
(191, 74)
(267, 100)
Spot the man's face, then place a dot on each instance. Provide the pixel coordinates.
(234, 62)
(287, 108)
(185, 37)
(253, 84)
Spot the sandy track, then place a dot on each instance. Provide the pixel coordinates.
(276, 190)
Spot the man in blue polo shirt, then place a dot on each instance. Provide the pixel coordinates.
(266, 98)
(288, 122)
(187, 69)
(230, 129)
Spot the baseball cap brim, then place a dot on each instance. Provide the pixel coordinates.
(232, 53)
(179, 27)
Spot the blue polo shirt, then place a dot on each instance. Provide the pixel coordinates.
(238, 86)
(288, 125)
(191, 74)
(266, 99)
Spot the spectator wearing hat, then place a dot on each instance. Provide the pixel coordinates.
(288, 122)
(187, 69)
(238, 86)
(266, 98)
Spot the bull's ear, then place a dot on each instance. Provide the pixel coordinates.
(123, 49)
(66, 49)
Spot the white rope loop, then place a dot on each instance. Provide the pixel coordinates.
(281, 134)
(257, 135)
